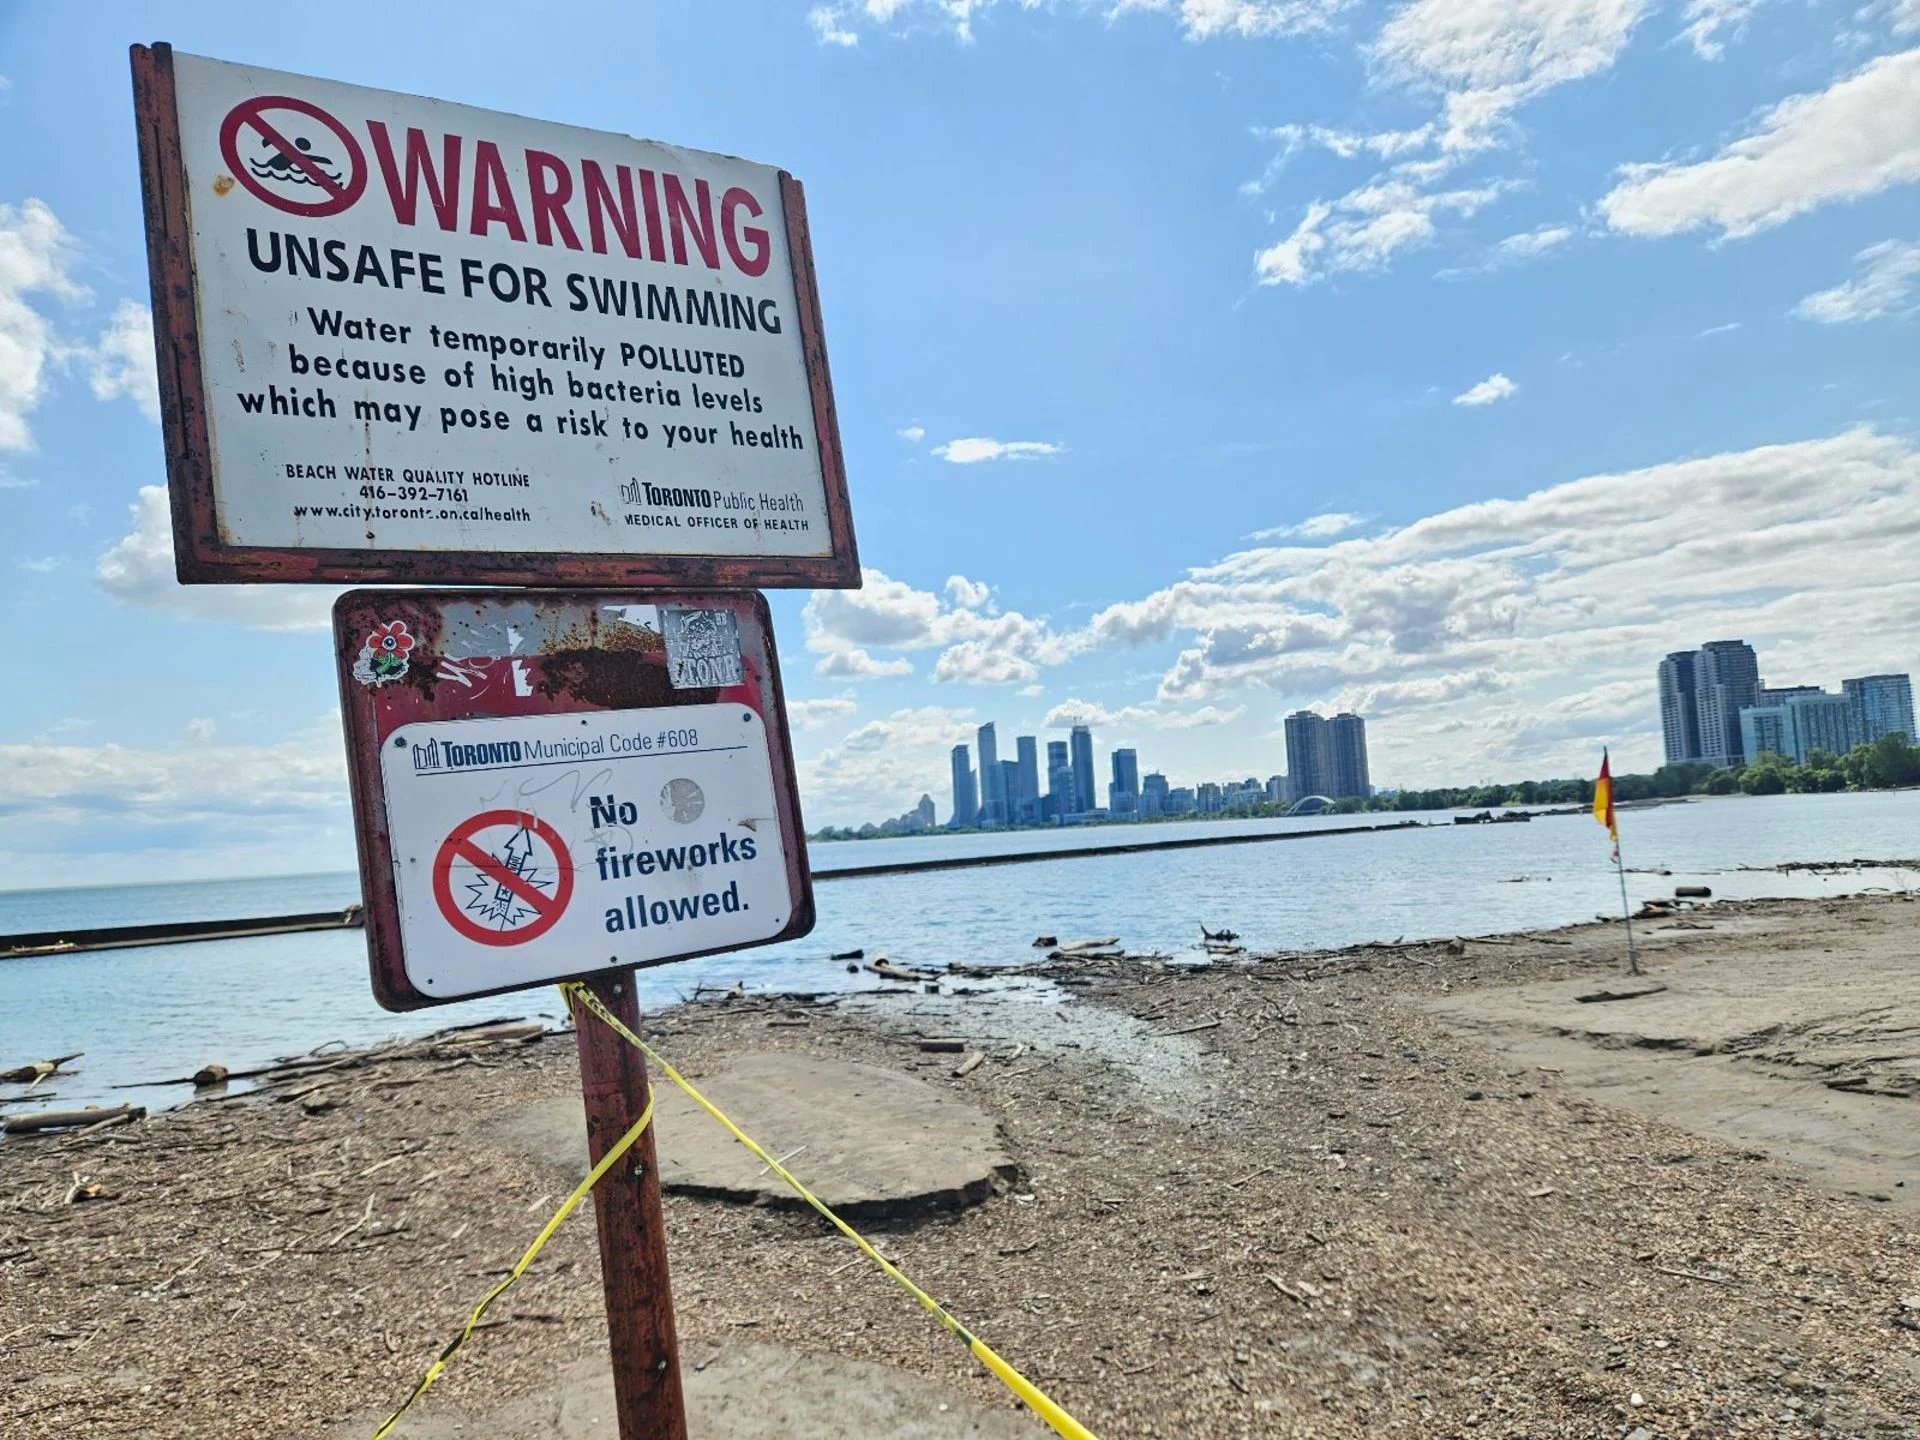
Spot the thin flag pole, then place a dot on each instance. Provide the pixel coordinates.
(1603, 811)
(1626, 908)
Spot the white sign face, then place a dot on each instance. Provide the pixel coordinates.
(526, 848)
(428, 327)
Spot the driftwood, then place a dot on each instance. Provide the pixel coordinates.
(457, 1040)
(1600, 997)
(941, 1045)
(887, 970)
(972, 1063)
(1080, 947)
(69, 1119)
(1226, 937)
(39, 1070)
(849, 955)
(1046, 942)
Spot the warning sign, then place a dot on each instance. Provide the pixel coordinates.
(503, 878)
(417, 341)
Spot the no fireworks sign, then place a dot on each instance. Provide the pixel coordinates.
(548, 784)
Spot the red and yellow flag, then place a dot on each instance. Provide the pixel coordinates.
(1603, 797)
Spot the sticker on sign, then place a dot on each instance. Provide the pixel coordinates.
(427, 330)
(530, 847)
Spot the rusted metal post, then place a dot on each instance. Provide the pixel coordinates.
(633, 1234)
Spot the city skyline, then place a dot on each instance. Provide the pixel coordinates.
(1715, 709)
(1326, 760)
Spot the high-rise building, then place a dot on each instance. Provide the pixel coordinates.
(1808, 719)
(1680, 707)
(1009, 788)
(1123, 795)
(1026, 804)
(923, 812)
(1347, 741)
(1767, 730)
(1823, 722)
(1885, 703)
(1309, 754)
(1208, 799)
(1180, 800)
(1780, 694)
(1276, 789)
(1153, 794)
(1726, 681)
(966, 799)
(1059, 781)
(1080, 742)
(993, 789)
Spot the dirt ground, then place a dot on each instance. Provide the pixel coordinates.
(1386, 1191)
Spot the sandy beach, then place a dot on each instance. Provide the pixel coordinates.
(1420, 1190)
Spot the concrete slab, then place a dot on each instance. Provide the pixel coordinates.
(742, 1392)
(870, 1142)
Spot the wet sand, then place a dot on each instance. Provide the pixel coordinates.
(1403, 1190)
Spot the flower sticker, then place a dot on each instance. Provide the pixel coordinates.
(384, 656)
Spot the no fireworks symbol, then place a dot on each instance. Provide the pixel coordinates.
(293, 155)
(503, 878)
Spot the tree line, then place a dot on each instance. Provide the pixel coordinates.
(1887, 764)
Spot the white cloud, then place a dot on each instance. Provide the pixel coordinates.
(1853, 139)
(1905, 16)
(828, 28)
(36, 258)
(1726, 329)
(1315, 527)
(1154, 717)
(1532, 243)
(974, 450)
(968, 594)
(40, 565)
(913, 434)
(856, 664)
(812, 714)
(881, 767)
(203, 808)
(1364, 229)
(1490, 56)
(834, 24)
(122, 362)
(1709, 24)
(883, 611)
(978, 644)
(1889, 275)
(138, 570)
(1494, 387)
(201, 730)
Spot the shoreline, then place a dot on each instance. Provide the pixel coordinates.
(1475, 1234)
(27, 945)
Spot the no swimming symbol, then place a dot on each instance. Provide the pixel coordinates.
(503, 878)
(293, 155)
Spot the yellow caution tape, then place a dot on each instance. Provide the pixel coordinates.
(1036, 1399)
(607, 1162)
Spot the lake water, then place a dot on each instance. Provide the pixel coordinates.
(141, 1014)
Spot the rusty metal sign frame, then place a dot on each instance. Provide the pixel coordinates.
(595, 661)
(203, 557)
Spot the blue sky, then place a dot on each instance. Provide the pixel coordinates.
(1196, 361)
